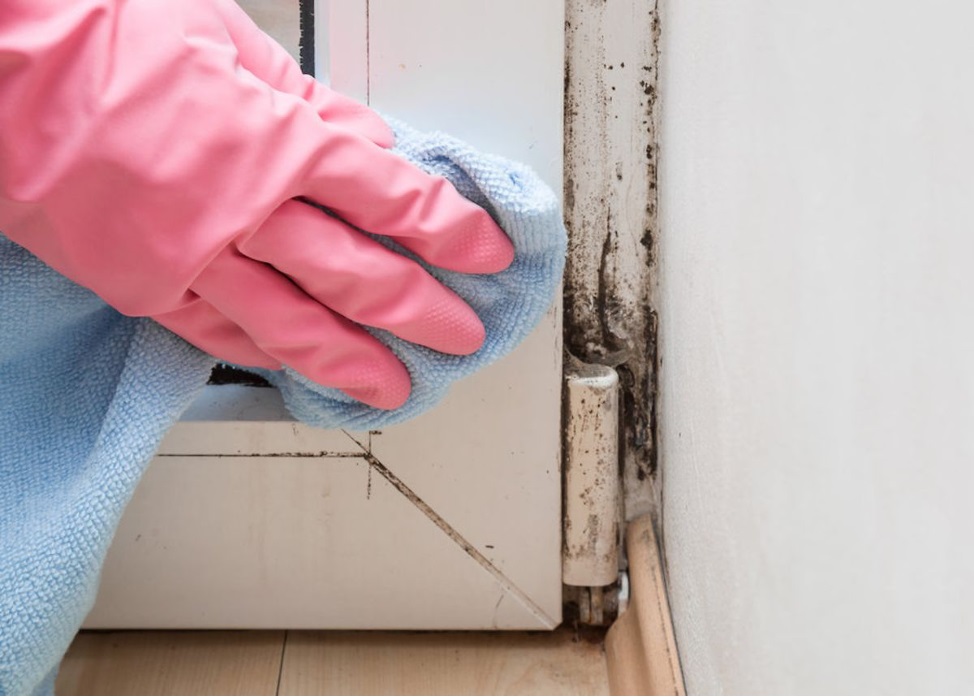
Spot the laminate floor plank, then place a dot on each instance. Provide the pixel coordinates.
(449, 663)
(323, 663)
(172, 663)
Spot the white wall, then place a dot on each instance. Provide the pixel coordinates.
(817, 318)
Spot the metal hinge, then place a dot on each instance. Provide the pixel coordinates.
(592, 557)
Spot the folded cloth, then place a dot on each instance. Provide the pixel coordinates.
(86, 395)
(509, 303)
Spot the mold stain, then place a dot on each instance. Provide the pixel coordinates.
(611, 208)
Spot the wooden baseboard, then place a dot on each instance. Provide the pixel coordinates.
(640, 646)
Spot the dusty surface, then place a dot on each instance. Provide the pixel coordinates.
(322, 663)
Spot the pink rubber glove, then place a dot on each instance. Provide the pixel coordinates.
(154, 151)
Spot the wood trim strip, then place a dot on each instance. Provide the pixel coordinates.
(640, 647)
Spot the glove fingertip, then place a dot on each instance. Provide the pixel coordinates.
(485, 249)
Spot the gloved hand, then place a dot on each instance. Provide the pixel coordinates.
(159, 152)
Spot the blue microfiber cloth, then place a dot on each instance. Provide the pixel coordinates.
(87, 395)
(510, 304)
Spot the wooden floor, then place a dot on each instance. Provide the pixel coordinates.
(327, 663)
